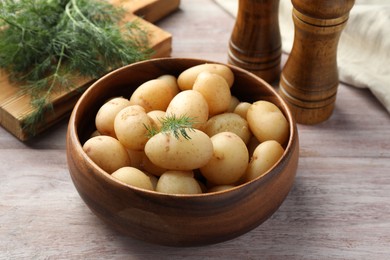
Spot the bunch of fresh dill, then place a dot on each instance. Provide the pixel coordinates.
(46, 44)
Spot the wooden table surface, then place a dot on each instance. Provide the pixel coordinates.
(339, 207)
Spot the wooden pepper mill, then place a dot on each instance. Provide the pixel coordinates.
(255, 43)
(309, 80)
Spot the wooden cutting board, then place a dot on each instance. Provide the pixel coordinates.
(15, 106)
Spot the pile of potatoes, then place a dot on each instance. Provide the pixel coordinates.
(229, 142)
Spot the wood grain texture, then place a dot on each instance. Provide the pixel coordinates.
(15, 107)
(310, 80)
(255, 42)
(176, 220)
(339, 206)
(149, 10)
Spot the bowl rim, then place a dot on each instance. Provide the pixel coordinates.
(72, 129)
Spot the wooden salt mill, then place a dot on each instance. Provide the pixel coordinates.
(309, 80)
(255, 43)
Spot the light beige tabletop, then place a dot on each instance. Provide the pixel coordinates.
(339, 207)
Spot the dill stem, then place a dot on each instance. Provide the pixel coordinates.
(2, 17)
(55, 75)
(67, 11)
(77, 9)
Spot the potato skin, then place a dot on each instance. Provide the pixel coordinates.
(228, 122)
(215, 90)
(264, 157)
(129, 125)
(231, 142)
(150, 167)
(234, 101)
(167, 151)
(135, 157)
(156, 116)
(267, 122)
(105, 116)
(171, 81)
(154, 94)
(178, 182)
(133, 177)
(107, 152)
(187, 78)
(242, 109)
(192, 104)
(229, 161)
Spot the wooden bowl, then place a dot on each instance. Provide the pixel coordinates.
(176, 220)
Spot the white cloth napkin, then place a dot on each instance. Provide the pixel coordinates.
(363, 54)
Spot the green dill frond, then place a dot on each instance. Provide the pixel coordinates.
(178, 126)
(42, 107)
(151, 131)
(45, 44)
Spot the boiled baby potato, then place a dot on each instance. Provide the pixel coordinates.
(105, 116)
(156, 117)
(242, 109)
(234, 101)
(95, 133)
(171, 81)
(215, 90)
(153, 179)
(107, 152)
(187, 78)
(192, 104)
(267, 122)
(178, 182)
(178, 153)
(229, 161)
(150, 167)
(129, 125)
(133, 177)
(154, 94)
(135, 157)
(228, 122)
(264, 157)
(252, 145)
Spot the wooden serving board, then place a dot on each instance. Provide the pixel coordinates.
(15, 106)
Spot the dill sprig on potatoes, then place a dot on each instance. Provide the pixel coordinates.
(176, 125)
(46, 44)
